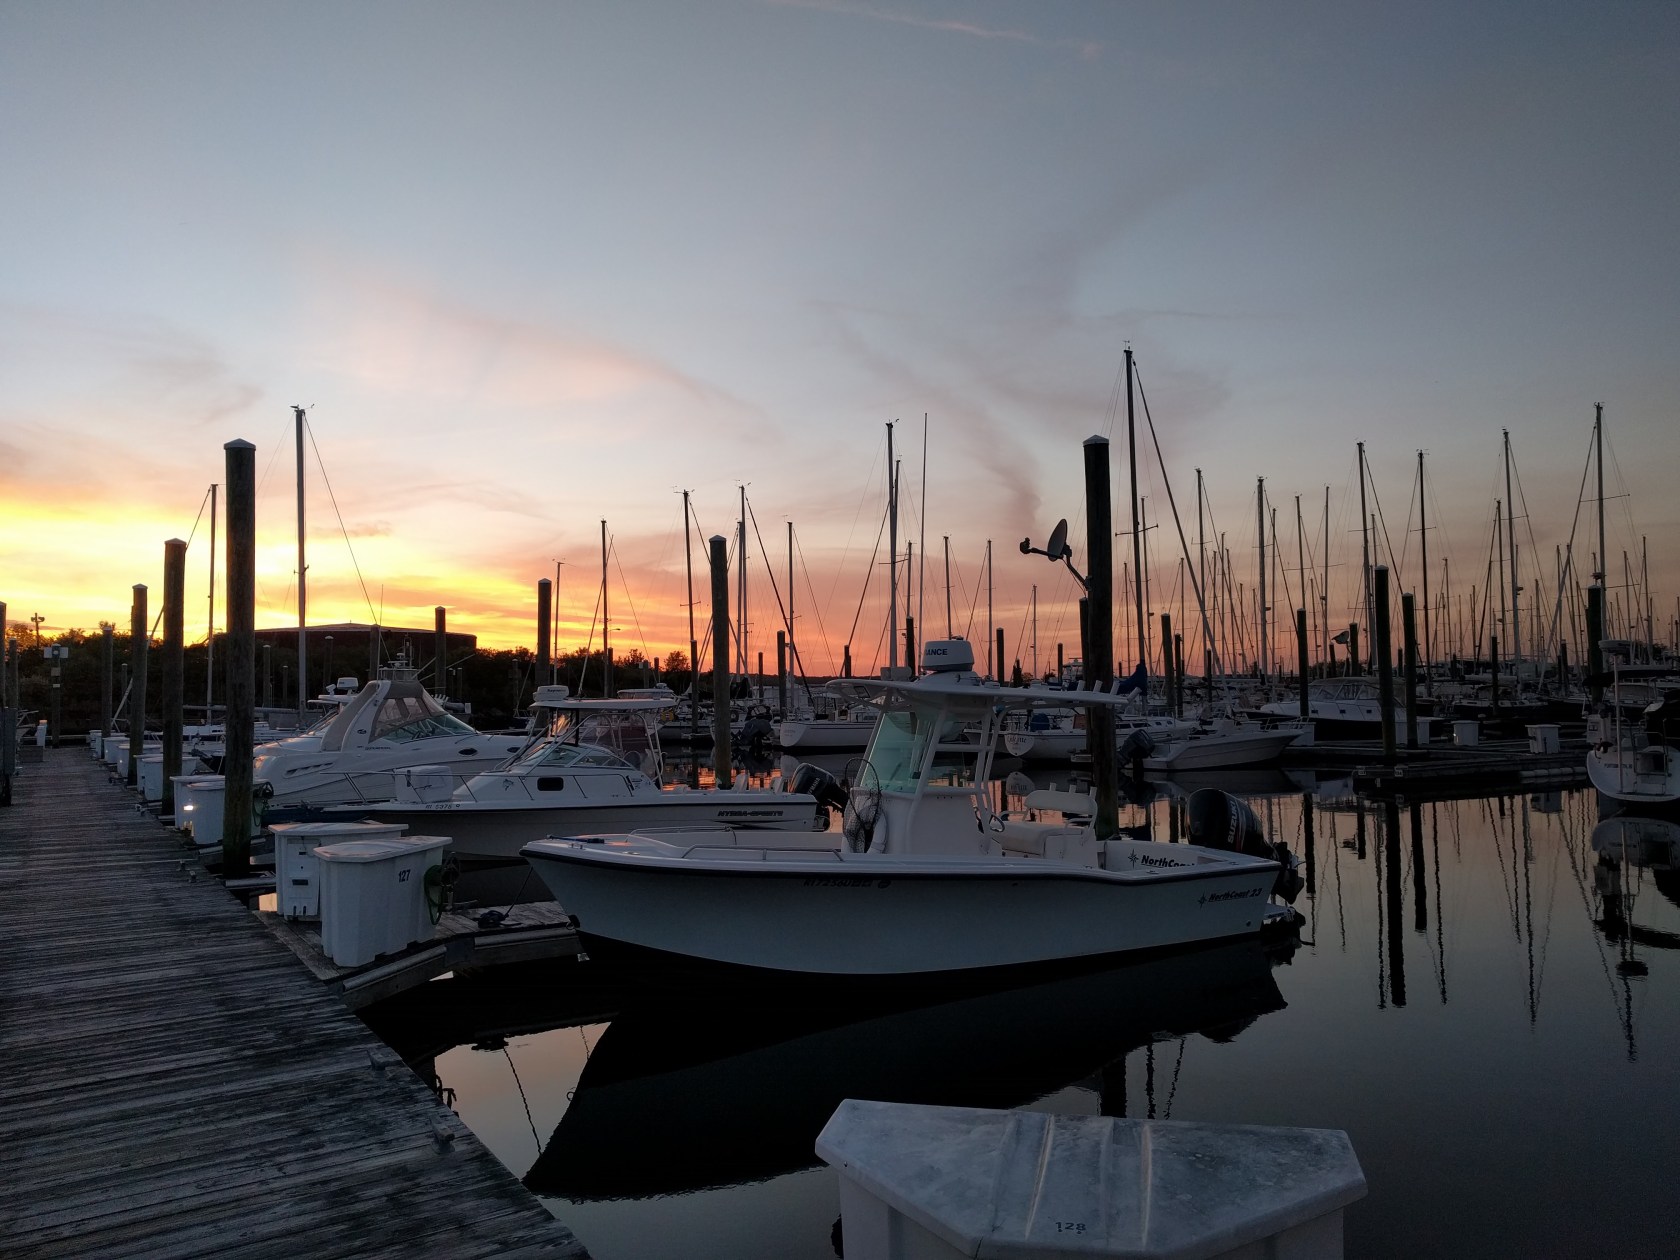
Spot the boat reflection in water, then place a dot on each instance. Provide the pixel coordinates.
(1628, 845)
(683, 1096)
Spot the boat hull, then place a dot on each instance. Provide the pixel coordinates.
(819, 736)
(1644, 776)
(837, 913)
(1221, 751)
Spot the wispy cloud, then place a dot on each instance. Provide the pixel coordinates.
(953, 26)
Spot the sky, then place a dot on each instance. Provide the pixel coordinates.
(532, 266)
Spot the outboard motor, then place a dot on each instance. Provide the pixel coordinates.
(1219, 820)
(1138, 745)
(817, 782)
(757, 733)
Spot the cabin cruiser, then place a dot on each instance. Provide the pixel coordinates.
(927, 878)
(363, 750)
(596, 767)
(1347, 707)
(1223, 743)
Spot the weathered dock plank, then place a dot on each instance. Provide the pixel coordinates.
(178, 1084)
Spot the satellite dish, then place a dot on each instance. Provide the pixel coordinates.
(1058, 541)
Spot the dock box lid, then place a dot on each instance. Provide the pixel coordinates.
(1020, 1183)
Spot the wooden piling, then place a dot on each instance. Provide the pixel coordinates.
(1384, 657)
(1000, 657)
(1178, 675)
(1099, 663)
(1408, 629)
(174, 667)
(440, 650)
(781, 672)
(545, 618)
(139, 631)
(1169, 667)
(1353, 649)
(720, 660)
(1301, 668)
(240, 657)
(107, 672)
(1493, 658)
(1595, 633)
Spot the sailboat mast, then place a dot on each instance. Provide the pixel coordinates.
(1260, 523)
(1511, 543)
(1499, 548)
(991, 631)
(892, 564)
(210, 635)
(1365, 562)
(1598, 460)
(693, 645)
(921, 573)
(1324, 592)
(741, 656)
(950, 631)
(1035, 628)
(1137, 531)
(606, 622)
(303, 633)
(1423, 535)
(1301, 552)
(1201, 578)
(791, 654)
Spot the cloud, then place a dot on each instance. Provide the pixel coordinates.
(404, 343)
(1086, 48)
(128, 364)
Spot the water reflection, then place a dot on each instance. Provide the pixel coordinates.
(1485, 999)
(693, 1095)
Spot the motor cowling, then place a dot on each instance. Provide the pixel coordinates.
(1219, 820)
(815, 781)
(1136, 746)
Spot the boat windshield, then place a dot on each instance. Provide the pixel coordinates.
(900, 748)
(576, 757)
(625, 738)
(398, 722)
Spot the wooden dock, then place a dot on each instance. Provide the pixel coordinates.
(178, 1084)
(530, 932)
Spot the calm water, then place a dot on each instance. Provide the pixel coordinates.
(1488, 1004)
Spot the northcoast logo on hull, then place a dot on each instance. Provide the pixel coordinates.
(1237, 895)
(845, 881)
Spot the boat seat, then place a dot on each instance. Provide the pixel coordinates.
(1071, 804)
(1047, 840)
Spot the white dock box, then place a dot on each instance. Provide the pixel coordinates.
(297, 875)
(1467, 734)
(150, 777)
(186, 806)
(937, 1183)
(373, 895)
(200, 802)
(1543, 740)
(114, 743)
